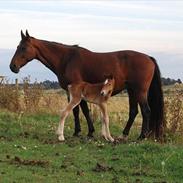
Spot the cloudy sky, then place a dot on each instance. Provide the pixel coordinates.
(152, 27)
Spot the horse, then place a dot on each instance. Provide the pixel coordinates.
(94, 93)
(136, 72)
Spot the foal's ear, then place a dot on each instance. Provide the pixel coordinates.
(27, 34)
(109, 76)
(22, 35)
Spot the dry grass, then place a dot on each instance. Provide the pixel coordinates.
(32, 95)
(34, 99)
(174, 110)
(9, 97)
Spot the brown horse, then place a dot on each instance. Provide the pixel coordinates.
(137, 72)
(95, 93)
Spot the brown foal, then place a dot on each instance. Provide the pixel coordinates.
(94, 93)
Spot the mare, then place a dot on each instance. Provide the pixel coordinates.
(95, 93)
(135, 71)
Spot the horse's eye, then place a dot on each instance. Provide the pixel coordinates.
(23, 48)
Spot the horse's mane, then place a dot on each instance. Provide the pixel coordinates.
(53, 43)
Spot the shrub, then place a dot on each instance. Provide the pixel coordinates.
(174, 110)
(9, 97)
(32, 94)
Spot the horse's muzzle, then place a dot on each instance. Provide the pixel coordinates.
(14, 68)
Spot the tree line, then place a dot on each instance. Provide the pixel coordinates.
(47, 84)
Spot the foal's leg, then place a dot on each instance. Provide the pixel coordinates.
(86, 113)
(105, 122)
(64, 114)
(133, 111)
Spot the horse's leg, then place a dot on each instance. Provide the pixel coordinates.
(76, 118)
(76, 121)
(133, 111)
(64, 114)
(86, 113)
(145, 110)
(105, 122)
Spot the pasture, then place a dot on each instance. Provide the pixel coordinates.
(30, 151)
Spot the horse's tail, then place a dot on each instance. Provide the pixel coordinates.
(156, 103)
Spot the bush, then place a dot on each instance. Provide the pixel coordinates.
(174, 110)
(32, 94)
(9, 97)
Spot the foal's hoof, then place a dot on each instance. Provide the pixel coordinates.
(111, 139)
(61, 138)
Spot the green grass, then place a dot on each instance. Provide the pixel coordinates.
(30, 152)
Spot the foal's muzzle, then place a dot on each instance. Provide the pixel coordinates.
(14, 68)
(102, 93)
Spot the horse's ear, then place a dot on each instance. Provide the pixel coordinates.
(22, 35)
(27, 34)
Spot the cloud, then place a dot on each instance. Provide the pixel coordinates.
(149, 27)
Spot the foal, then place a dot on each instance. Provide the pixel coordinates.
(95, 93)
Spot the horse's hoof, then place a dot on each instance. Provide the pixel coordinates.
(123, 138)
(76, 134)
(141, 137)
(90, 135)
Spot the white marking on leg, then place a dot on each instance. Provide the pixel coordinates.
(60, 130)
(103, 130)
(64, 114)
(106, 120)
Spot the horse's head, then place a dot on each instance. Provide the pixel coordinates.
(25, 52)
(108, 86)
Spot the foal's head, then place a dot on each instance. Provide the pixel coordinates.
(108, 86)
(25, 52)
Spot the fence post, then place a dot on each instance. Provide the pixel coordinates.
(16, 83)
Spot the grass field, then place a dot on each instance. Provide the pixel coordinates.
(30, 152)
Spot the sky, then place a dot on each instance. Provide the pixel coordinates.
(152, 27)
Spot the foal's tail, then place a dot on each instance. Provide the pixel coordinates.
(156, 103)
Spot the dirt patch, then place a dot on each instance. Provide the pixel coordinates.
(24, 134)
(80, 173)
(120, 140)
(52, 141)
(2, 137)
(115, 158)
(18, 161)
(102, 168)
